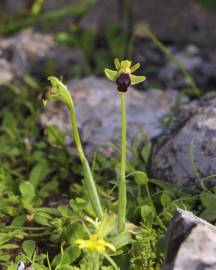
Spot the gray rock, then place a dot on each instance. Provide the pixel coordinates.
(167, 19)
(190, 59)
(20, 49)
(200, 66)
(99, 116)
(186, 154)
(6, 74)
(31, 52)
(191, 243)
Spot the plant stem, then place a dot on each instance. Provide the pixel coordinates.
(110, 260)
(156, 216)
(172, 58)
(88, 178)
(122, 200)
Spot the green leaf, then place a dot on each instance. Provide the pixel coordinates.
(146, 151)
(65, 211)
(121, 240)
(27, 191)
(69, 267)
(36, 7)
(4, 257)
(9, 246)
(207, 198)
(111, 74)
(9, 124)
(12, 266)
(55, 136)
(42, 218)
(211, 4)
(28, 247)
(69, 255)
(147, 214)
(31, 82)
(73, 232)
(136, 79)
(209, 214)
(18, 221)
(141, 178)
(38, 173)
(165, 199)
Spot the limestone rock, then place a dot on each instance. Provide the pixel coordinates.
(191, 243)
(31, 52)
(99, 116)
(6, 74)
(186, 154)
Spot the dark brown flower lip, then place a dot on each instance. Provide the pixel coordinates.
(123, 82)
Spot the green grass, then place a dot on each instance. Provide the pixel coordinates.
(207, 3)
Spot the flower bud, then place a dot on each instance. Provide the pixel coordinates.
(49, 94)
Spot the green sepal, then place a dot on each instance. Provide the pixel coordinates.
(111, 74)
(44, 101)
(125, 66)
(136, 79)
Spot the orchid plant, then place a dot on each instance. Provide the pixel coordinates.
(97, 242)
(123, 78)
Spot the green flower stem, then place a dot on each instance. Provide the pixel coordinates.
(172, 58)
(88, 178)
(122, 200)
(76, 134)
(96, 257)
(111, 261)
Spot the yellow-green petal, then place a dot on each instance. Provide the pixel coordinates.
(135, 67)
(110, 246)
(136, 79)
(117, 63)
(111, 74)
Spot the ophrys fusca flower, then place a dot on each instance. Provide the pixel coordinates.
(123, 74)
